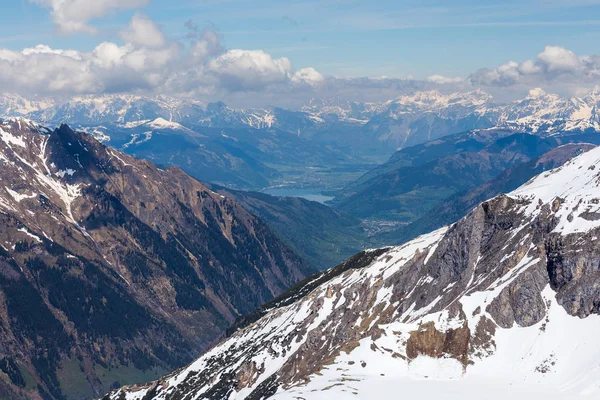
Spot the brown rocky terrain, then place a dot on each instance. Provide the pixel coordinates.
(509, 294)
(113, 270)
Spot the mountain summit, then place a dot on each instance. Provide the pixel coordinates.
(505, 301)
(114, 270)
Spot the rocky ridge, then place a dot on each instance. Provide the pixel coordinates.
(112, 269)
(504, 301)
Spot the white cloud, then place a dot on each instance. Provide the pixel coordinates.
(559, 59)
(529, 67)
(143, 32)
(73, 16)
(108, 55)
(249, 69)
(309, 76)
(551, 66)
(442, 80)
(150, 63)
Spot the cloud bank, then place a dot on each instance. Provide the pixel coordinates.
(146, 61)
(553, 65)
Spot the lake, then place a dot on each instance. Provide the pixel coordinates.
(308, 194)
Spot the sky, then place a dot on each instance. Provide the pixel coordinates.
(266, 49)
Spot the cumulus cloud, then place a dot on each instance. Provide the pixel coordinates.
(143, 32)
(148, 62)
(559, 59)
(554, 64)
(249, 69)
(73, 16)
(309, 76)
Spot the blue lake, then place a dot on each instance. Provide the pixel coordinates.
(307, 194)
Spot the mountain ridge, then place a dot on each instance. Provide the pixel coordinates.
(112, 269)
(502, 300)
(425, 115)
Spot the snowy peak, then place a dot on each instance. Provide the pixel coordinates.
(336, 108)
(161, 123)
(573, 190)
(13, 105)
(550, 114)
(434, 99)
(503, 298)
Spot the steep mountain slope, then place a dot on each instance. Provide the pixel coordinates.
(459, 205)
(417, 178)
(503, 302)
(114, 270)
(423, 153)
(408, 192)
(322, 236)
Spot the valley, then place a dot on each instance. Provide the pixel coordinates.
(506, 297)
(288, 204)
(305, 200)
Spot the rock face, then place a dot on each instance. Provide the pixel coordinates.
(503, 302)
(114, 270)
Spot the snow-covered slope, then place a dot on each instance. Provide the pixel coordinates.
(550, 114)
(504, 302)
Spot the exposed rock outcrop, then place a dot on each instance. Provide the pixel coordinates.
(506, 294)
(114, 270)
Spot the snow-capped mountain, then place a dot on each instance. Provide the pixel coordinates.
(548, 113)
(425, 116)
(340, 109)
(131, 109)
(503, 302)
(363, 127)
(116, 109)
(15, 105)
(434, 101)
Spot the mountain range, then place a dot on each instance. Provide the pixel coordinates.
(503, 302)
(93, 236)
(252, 148)
(114, 270)
(418, 178)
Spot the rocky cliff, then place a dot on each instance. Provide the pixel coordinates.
(113, 270)
(503, 302)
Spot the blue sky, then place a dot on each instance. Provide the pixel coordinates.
(252, 52)
(347, 37)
